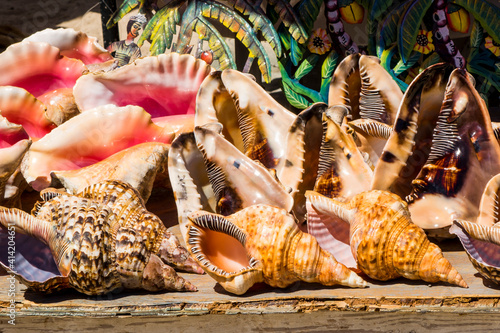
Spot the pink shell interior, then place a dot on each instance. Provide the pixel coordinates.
(38, 67)
(89, 138)
(20, 107)
(165, 85)
(9, 135)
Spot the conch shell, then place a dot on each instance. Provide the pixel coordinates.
(261, 244)
(481, 240)
(102, 239)
(138, 166)
(89, 138)
(384, 241)
(73, 44)
(165, 85)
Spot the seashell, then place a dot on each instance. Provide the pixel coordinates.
(73, 44)
(252, 120)
(44, 72)
(164, 85)
(369, 93)
(362, 85)
(384, 241)
(237, 180)
(261, 243)
(464, 156)
(408, 147)
(189, 179)
(482, 245)
(136, 166)
(21, 107)
(89, 138)
(102, 239)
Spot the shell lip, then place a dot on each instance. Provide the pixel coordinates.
(474, 245)
(27, 262)
(201, 221)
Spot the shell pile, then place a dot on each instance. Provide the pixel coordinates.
(262, 194)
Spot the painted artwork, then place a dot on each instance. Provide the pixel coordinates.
(126, 51)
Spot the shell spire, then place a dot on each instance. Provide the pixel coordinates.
(262, 243)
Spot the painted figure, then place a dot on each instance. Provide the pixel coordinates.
(127, 50)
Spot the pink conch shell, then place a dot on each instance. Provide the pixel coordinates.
(164, 85)
(464, 156)
(261, 244)
(21, 107)
(89, 138)
(73, 44)
(137, 166)
(38, 67)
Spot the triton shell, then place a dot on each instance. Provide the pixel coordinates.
(89, 138)
(165, 85)
(102, 240)
(261, 243)
(384, 241)
(237, 180)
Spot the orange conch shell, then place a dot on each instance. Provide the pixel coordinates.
(384, 241)
(261, 244)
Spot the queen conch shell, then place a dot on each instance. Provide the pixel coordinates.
(138, 166)
(89, 138)
(261, 243)
(102, 239)
(384, 241)
(46, 74)
(73, 44)
(21, 107)
(14, 143)
(164, 85)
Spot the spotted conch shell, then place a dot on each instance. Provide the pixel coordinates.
(464, 156)
(164, 85)
(409, 145)
(138, 166)
(261, 243)
(102, 240)
(237, 180)
(89, 138)
(384, 241)
(481, 240)
(371, 97)
(73, 44)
